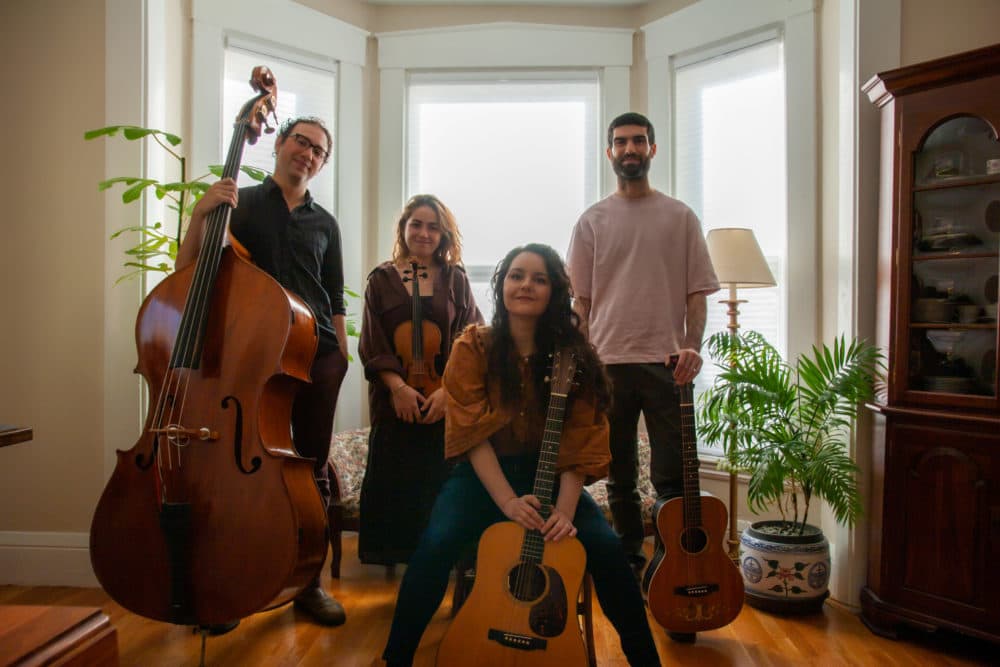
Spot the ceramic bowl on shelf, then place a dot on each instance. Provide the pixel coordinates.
(949, 384)
(948, 241)
(933, 310)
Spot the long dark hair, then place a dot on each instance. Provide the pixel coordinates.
(558, 326)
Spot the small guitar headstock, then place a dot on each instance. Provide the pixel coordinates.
(686, 390)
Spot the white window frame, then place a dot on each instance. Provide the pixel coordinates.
(283, 26)
(717, 22)
(478, 47)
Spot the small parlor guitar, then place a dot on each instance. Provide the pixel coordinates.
(694, 585)
(522, 608)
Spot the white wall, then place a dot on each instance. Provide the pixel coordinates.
(52, 285)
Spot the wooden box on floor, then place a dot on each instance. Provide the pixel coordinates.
(66, 636)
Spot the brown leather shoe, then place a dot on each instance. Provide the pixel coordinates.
(322, 607)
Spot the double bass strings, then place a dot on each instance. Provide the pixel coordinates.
(185, 354)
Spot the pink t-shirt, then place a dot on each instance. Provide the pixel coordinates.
(637, 260)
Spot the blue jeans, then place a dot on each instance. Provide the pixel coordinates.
(462, 512)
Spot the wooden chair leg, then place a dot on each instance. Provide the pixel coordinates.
(585, 610)
(465, 574)
(334, 530)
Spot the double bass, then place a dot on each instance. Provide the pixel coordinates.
(212, 515)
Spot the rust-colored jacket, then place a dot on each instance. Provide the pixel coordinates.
(474, 413)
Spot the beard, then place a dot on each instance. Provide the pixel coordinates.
(634, 171)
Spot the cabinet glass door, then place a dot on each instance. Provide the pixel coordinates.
(955, 260)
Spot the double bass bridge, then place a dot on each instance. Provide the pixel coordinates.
(179, 436)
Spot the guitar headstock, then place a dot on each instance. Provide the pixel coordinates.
(686, 390)
(563, 371)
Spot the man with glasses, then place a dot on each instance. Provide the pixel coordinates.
(296, 241)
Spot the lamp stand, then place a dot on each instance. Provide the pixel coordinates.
(734, 543)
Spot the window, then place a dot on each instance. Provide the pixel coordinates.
(303, 90)
(715, 46)
(733, 174)
(516, 159)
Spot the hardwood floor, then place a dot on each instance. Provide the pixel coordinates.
(282, 637)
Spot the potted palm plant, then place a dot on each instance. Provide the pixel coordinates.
(788, 428)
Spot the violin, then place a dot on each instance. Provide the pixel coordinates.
(418, 341)
(212, 515)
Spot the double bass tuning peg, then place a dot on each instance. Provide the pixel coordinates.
(268, 128)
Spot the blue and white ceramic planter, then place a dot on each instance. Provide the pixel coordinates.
(785, 573)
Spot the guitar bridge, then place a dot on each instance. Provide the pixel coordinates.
(518, 641)
(696, 590)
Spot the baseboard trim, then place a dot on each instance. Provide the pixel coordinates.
(46, 559)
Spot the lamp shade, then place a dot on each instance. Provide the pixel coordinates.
(737, 258)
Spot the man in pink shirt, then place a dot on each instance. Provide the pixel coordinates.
(640, 272)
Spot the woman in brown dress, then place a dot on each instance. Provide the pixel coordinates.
(406, 464)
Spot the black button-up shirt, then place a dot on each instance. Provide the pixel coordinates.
(300, 249)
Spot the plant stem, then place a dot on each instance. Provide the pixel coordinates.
(182, 207)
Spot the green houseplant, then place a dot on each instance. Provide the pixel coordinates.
(156, 248)
(788, 428)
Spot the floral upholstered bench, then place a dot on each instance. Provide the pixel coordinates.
(349, 455)
(348, 458)
(599, 489)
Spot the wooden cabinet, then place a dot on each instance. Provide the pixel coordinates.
(935, 511)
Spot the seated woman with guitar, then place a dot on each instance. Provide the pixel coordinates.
(416, 304)
(495, 385)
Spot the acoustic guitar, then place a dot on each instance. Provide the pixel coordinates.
(694, 585)
(522, 608)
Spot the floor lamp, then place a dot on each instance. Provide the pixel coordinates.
(739, 263)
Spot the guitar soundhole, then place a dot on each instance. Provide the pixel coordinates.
(693, 540)
(526, 582)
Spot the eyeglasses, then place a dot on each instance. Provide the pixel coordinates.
(316, 149)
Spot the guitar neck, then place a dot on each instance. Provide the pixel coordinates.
(689, 457)
(563, 367)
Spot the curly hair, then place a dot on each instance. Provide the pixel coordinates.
(558, 326)
(286, 131)
(449, 251)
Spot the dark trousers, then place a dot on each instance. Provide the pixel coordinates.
(647, 389)
(312, 415)
(462, 512)
(405, 471)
